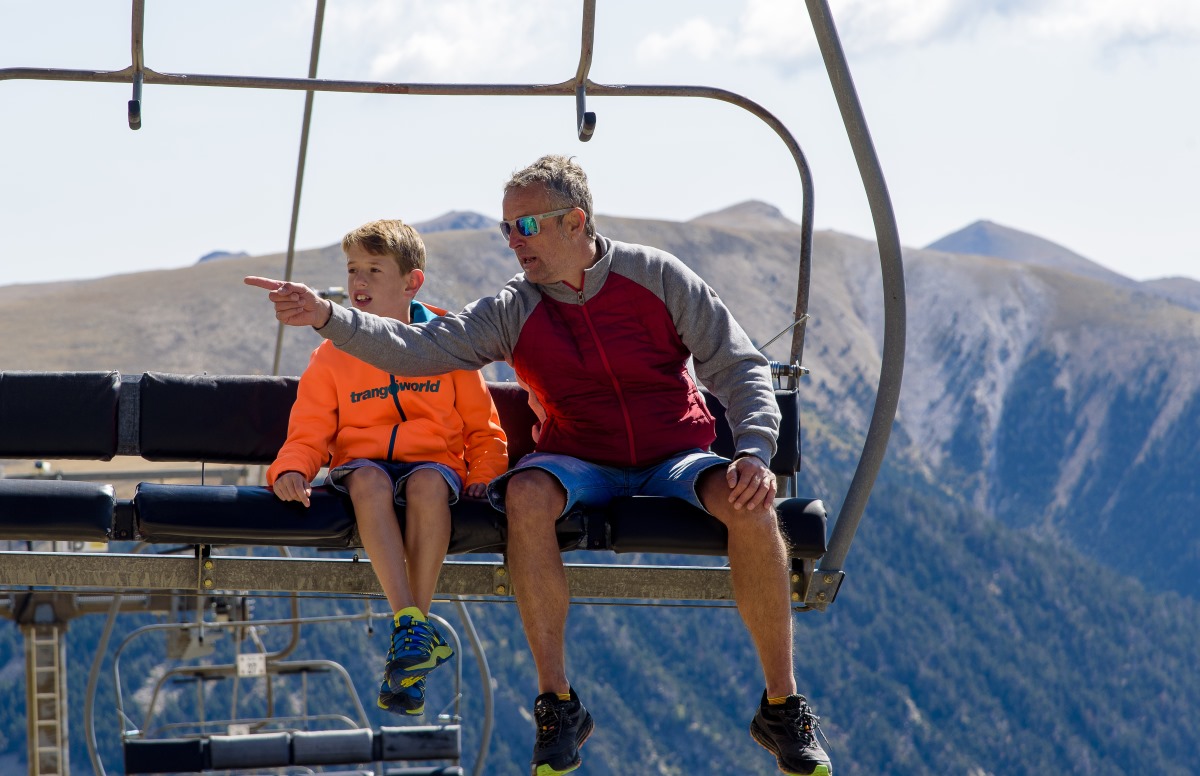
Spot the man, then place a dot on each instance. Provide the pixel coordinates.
(601, 332)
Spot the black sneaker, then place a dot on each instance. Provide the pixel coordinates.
(789, 733)
(562, 727)
(416, 649)
(410, 700)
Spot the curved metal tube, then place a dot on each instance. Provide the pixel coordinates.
(485, 672)
(891, 264)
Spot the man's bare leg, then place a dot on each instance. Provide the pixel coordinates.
(533, 502)
(759, 568)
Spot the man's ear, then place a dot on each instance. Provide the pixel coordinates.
(416, 279)
(578, 219)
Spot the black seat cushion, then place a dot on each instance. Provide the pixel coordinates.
(56, 510)
(230, 514)
(665, 525)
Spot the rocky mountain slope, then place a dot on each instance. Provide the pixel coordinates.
(1041, 479)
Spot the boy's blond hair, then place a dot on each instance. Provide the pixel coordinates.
(389, 237)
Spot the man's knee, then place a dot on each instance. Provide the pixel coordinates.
(533, 495)
(714, 490)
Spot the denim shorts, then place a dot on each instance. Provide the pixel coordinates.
(592, 484)
(399, 472)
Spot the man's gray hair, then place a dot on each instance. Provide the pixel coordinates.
(563, 179)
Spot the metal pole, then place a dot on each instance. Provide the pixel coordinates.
(318, 25)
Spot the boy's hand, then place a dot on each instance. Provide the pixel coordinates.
(295, 303)
(293, 486)
(477, 490)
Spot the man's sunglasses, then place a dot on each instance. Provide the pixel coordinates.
(527, 226)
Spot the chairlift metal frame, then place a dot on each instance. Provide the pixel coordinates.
(93, 570)
(830, 571)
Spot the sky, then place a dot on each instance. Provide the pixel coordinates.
(1075, 120)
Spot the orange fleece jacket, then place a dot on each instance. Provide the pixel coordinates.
(346, 409)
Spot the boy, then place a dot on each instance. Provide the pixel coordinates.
(391, 441)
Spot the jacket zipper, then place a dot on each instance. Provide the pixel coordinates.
(611, 376)
(394, 390)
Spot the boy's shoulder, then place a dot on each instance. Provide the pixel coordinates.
(423, 311)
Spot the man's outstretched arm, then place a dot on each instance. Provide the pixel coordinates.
(295, 303)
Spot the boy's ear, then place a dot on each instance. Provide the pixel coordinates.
(416, 279)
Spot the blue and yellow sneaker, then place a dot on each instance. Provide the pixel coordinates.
(562, 727)
(410, 700)
(788, 731)
(417, 648)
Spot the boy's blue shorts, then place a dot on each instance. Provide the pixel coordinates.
(399, 472)
(592, 484)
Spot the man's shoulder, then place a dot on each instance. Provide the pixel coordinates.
(515, 296)
(628, 257)
(646, 264)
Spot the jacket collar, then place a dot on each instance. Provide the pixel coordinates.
(593, 277)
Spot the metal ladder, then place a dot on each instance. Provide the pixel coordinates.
(46, 700)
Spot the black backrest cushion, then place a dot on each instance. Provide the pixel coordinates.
(787, 457)
(214, 418)
(59, 414)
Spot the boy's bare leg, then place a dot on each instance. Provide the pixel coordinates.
(375, 510)
(759, 568)
(533, 502)
(427, 532)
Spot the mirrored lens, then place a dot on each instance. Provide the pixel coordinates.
(527, 226)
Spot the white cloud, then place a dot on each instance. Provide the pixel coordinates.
(416, 41)
(696, 38)
(1117, 22)
(779, 33)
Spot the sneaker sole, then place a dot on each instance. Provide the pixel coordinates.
(546, 769)
(395, 709)
(762, 740)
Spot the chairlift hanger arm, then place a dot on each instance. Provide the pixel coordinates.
(585, 120)
(887, 240)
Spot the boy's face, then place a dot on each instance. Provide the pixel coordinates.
(376, 284)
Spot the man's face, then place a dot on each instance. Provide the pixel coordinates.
(548, 256)
(376, 284)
